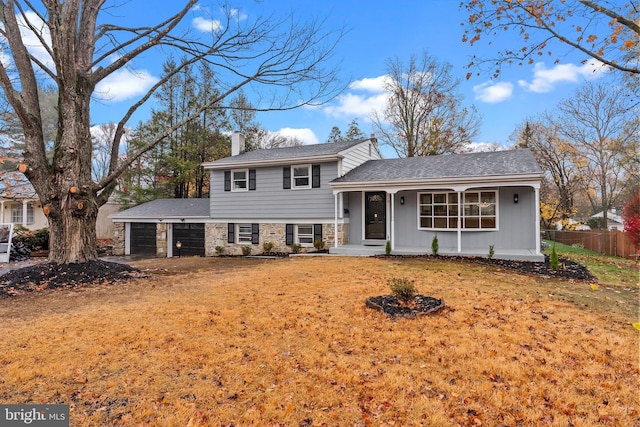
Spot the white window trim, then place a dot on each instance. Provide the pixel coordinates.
(293, 177)
(460, 210)
(233, 180)
(296, 237)
(237, 231)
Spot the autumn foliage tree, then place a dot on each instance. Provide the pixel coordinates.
(631, 215)
(87, 41)
(606, 31)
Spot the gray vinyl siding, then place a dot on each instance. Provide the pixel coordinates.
(270, 200)
(357, 156)
(515, 222)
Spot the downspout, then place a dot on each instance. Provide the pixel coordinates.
(459, 231)
(393, 221)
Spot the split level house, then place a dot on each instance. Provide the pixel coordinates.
(355, 201)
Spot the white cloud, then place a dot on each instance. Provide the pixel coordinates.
(545, 79)
(350, 105)
(374, 84)
(305, 135)
(31, 41)
(235, 13)
(206, 25)
(124, 84)
(493, 93)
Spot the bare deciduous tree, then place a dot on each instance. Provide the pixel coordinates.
(264, 53)
(424, 115)
(605, 30)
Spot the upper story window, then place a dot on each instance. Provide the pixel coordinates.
(239, 180)
(301, 176)
(439, 211)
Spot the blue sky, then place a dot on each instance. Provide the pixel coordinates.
(377, 31)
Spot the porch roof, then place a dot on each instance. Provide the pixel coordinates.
(498, 165)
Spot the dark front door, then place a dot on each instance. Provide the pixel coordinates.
(375, 215)
(192, 238)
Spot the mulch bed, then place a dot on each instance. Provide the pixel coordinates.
(47, 275)
(568, 269)
(389, 304)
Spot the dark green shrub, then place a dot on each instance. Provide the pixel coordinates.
(435, 246)
(387, 248)
(267, 246)
(491, 252)
(554, 262)
(318, 244)
(246, 250)
(219, 250)
(403, 289)
(34, 240)
(295, 248)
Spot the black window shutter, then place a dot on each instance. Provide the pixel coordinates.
(286, 177)
(289, 234)
(227, 180)
(231, 227)
(252, 179)
(317, 232)
(315, 176)
(255, 234)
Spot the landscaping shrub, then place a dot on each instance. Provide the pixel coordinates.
(491, 252)
(246, 250)
(554, 262)
(33, 240)
(219, 250)
(387, 248)
(295, 248)
(435, 246)
(318, 244)
(267, 247)
(403, 289)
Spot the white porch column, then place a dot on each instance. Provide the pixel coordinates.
(536, 190)
(335, 222)
(392, 234)
(24, 213)
(2, 211)
(459, 231)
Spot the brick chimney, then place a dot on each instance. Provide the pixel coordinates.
(237, 143)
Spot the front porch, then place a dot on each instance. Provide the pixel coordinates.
(507, 254)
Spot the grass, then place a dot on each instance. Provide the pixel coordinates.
(222, 341)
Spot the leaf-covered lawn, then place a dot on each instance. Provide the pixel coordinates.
(208, 342)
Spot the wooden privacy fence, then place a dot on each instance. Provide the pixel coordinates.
(606, 242)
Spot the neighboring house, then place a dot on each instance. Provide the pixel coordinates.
(19, 204)
(614, 221)
(347, 195)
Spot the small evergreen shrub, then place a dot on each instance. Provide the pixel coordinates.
(295, 248)
(267, 246)
(246, 250)
(219, 250)
(387, 248)
(435, 246)
(318, 244)
(403, 289)
(554, 262)
(33, 240)
(491, 252)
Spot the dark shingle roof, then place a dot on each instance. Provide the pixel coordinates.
(498, 163)
(168, 208)
(284, 153)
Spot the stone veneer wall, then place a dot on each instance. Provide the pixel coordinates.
(215, 235)
(161, 239)
(118, 238)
